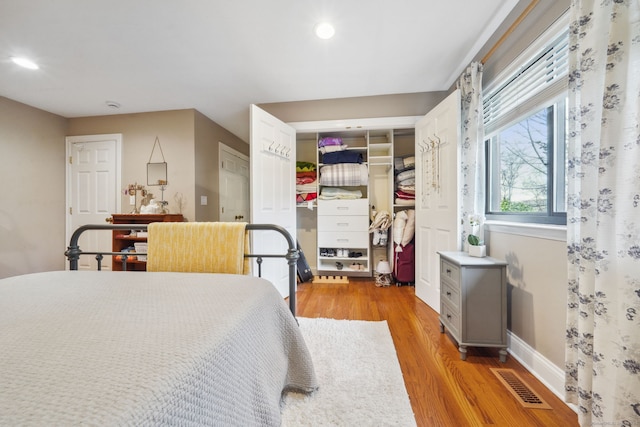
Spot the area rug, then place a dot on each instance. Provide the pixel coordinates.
(360, 379)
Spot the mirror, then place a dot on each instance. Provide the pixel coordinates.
(157, 173)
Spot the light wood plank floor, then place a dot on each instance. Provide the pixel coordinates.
(444, 390)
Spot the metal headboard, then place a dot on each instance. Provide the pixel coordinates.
(74, 252)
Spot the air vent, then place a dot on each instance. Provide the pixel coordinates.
(520, 389)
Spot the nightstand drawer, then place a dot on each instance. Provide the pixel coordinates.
(451, 295)
(343, 207)
(348, 239)
(450, 318)
(450, 272)
(344, 223)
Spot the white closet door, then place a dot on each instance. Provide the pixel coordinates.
(93, 191)
(273, 191)
(437, 194)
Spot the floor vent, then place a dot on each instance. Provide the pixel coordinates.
(520, 389)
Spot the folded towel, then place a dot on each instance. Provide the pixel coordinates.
(402, 195)
(342, 157)
(329, 140)
(332, 148)
(305, 166)
(330, 193)
(405, 202)
(408, 174)
(307, 188)
(199, 247)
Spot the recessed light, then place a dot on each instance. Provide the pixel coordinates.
(325, 30)
(112, 104)
(24, 62)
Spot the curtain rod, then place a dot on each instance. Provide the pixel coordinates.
(510, 30)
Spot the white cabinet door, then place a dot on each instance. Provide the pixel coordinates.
(437, 194)
(273, 191)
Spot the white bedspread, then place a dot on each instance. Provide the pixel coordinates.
(132, 348)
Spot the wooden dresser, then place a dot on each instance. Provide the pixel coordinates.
(123, 239)
(473, 301)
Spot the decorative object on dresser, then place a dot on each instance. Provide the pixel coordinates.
(130, 240)
(473, 301)
(477, 247)
(132, 191)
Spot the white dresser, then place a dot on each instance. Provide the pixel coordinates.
(343, 230)
(473, 301)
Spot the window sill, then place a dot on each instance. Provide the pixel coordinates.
(540, 231)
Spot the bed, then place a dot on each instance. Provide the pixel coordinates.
(147, 348)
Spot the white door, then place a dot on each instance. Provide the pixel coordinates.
(93, 191)
(234, 186)
(437, 194)
(273, 190)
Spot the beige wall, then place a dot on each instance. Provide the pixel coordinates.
(175, 130)
(537, 290)
(32, 195)
(409, 104)
(208, 136)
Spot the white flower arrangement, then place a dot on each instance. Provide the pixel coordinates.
(476, 221)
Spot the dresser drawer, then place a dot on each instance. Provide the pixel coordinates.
(344, 207)
(450, 272)
(343, 223)
(450, 318)
(345, 239)
(450, 294)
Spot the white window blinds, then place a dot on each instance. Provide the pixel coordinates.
(541, 78)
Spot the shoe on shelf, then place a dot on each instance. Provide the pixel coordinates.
(339, 265)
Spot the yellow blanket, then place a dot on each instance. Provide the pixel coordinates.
(198, 247)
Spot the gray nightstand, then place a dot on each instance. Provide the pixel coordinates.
(473, 301)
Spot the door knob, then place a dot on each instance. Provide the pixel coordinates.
(109, 220)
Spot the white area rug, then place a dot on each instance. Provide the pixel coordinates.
(360, 379)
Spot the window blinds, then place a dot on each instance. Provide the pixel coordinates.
(542, 78)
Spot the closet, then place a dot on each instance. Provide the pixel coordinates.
(381, 141)
(334, 228)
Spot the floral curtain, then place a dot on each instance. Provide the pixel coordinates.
(471, 153)
(603, 212)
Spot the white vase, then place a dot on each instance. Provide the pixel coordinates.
(478, 251)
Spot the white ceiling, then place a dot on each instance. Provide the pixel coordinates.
(219, 56)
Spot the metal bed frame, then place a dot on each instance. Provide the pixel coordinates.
(74, 252)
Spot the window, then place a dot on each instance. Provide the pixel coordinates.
(525, 119)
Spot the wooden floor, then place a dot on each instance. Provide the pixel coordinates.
(444, 390)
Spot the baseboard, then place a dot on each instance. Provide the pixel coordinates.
(540, 367)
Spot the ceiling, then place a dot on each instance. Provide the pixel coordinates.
(220, 56)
